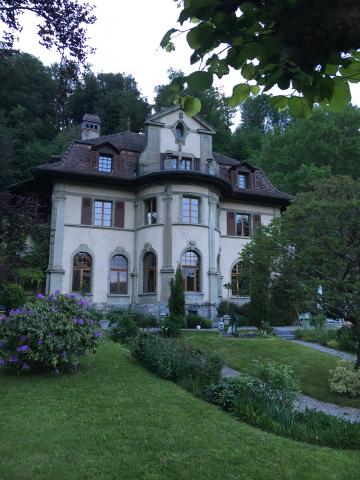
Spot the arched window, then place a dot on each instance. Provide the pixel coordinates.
(82, 267)
(149, 273)
(239, 284)
(179, 131)
(190, 266)
(118, 274)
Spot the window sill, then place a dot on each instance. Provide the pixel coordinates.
(118, 295)
(194, 293)
(150, 294)
(237, 236)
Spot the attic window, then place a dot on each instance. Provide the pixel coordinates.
(179, 131)
(243, 180)
(105, 163)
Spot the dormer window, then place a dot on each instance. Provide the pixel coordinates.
(105, 163)
(243, 180)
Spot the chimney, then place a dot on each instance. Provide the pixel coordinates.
(90, 127)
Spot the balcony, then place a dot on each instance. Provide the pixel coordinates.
(186, 166)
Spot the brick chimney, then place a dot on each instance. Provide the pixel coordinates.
(90, 126)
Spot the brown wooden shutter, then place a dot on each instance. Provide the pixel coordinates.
(256, 221)
(251, 180)
(231, 223)
(94, 156)
(233, 177)
(117, 163)
(86, 211)
(119, 215)
(197, 164)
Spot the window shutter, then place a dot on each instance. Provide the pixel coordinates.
(231, 223)
(233, 177)
(86, 211)
(197, 164)
(119, 216)
(256, 222)
(251, 180)
(117, 164)
(94, 156)
(162, 160)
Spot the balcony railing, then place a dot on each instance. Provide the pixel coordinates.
(210, 168)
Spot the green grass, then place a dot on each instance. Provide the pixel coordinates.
(115, 420)
(311, 367)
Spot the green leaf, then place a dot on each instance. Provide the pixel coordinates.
(280, 102)
(167, 37)
(352, 72)
(240, 94)
(199, 80)
(299, 107)
(200, 35)
(331, 69)
(341, 95)
(248, 71)
(255, 89)
(190, 105)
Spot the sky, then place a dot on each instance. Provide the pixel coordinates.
(126, 36)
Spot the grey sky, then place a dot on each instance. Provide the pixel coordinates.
(127, 36)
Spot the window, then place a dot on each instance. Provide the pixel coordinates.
(105, 163)
(149, 278)
(217, 215)
(150, 211)
(185, 164)
(243, 180)
(82, 266)
(179, 132)
(190, 210)
(103, 213)
(170, 163)
(242, 225)
(239, 285)
(118, 274)
(190, 266)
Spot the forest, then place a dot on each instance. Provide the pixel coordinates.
(41, 110)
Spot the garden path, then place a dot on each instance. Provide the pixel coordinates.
(330, 351)
(305, 402)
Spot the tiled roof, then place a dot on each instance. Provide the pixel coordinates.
(76, 159)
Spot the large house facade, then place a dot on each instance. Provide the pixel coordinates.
(128, 208)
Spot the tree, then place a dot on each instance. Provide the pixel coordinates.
(62, 25)
(306, 46)
(215, 109)
(177, 297)
(309, 151)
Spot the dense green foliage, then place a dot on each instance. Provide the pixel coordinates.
(345, 380)
(173, 360)
(177, 296)
(192, 321)
(50, 334)
(315, 57)
(242, 354)
(270, 407)
(110, 409)
(122, 325)
(343, 338)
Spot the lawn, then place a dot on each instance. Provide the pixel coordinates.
(310, 366)
(115, 420)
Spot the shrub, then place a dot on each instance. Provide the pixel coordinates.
(239, 314)
(269, 406)
(192, 321)
(122, 326)
(171, 326)
(12, 295)
(342, 338)
(347, 339)
(176, 361)
(51, 333)
(344, 379)
(177, 296)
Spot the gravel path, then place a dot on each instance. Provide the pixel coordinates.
(303, 402)
(331, 351)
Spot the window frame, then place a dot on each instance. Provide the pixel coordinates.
(81, 270)
(146, 269)
(190, 198)
(245, 176)
(234, 279)
(106, 156)
(242, 229)
(187, 264)
(103, 202)
(118, 271)
(152, 211)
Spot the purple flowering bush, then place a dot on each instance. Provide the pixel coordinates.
(49, 334)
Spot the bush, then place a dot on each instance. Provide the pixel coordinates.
(51, 333)
(12, 295)
(171, 326)
(122, 326)
(269, 405)
(342, 338)
(192, 321)
(173, 360)
(347, 338)
(239, 314)
(344, 379)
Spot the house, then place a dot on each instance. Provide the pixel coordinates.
(128, 208)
